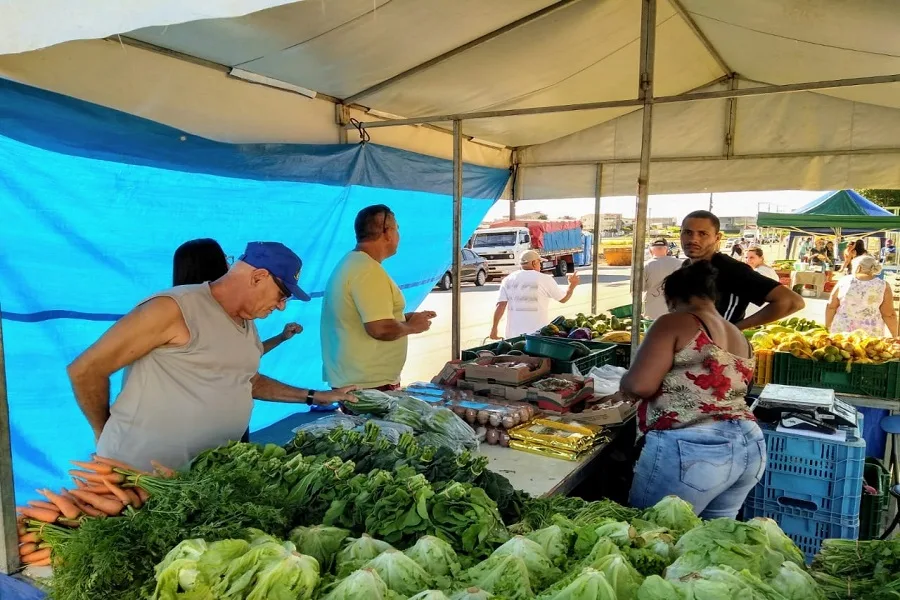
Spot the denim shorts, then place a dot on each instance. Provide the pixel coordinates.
(713, 466)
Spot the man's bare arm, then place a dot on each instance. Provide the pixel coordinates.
(780, 303)
(272, 390)
(156, 323)
(388, 330)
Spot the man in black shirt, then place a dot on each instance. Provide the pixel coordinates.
(738, 285)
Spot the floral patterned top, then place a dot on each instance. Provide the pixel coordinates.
(860, 306)
(706, 383)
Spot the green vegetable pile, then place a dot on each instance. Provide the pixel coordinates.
(364, 518)
(849, 569)
(439, 426)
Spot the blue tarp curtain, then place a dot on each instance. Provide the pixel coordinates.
(95, 201)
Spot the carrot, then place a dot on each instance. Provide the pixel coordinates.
(97, 488)
(110, 507)
(116, 464)
(97, 477)
(143, 494)
(27, 548)
(21, 528)
(39, 514)
(41, 563)
(63, 504)
(29, 538)
(162, 469)
(36, 556)
(135, 499)
(42, 504)
(120, 495)
(93, 467)
(87, 508)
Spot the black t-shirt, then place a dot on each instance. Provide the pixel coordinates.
(738, 285)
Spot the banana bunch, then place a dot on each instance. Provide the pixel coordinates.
(818, 344)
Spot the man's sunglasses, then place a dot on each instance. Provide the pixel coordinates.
(284, 291)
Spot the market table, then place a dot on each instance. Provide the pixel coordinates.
(532, 473)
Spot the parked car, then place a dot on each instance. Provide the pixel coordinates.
(473, 269)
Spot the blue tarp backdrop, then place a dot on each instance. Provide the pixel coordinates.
(95, 201)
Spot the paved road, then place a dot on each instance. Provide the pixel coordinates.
(430, 351)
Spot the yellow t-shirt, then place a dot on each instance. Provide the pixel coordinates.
(360, 291)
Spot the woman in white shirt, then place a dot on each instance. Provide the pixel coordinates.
(755, 259)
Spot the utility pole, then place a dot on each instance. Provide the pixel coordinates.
(710, 201)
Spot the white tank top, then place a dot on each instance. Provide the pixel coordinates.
(178, 401)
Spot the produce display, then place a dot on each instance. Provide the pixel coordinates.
(584, 327)
(434, 425)
(404, 521)
(813, 342)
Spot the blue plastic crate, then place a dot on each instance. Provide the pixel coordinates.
(807, 533)
(821, 477)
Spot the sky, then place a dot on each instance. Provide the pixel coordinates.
(734, 204)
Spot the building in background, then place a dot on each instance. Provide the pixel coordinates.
(736, 224)
(610, 223)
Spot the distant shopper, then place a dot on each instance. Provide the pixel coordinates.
(889, 253)
(738, 285)
(364, 328)
(757, 263)
(853, 249)
(803, 251)
(862, 302)
(660, 266)
(737, 250)
(691, 373)
(527, 295)
(829, 252)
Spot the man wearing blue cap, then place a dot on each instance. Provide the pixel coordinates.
(191, 357)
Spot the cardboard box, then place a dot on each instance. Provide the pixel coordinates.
(528, 394)
(501, 369)
(606, 413)
(452, 373)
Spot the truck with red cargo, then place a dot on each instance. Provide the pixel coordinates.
(503, 244)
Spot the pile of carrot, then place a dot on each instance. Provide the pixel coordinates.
(103, 487)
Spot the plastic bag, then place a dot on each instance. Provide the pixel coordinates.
(326, 425)
(607, 379)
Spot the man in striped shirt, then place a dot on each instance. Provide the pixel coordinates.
(738, 285)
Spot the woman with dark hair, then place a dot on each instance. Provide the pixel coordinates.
(854, 249)
(690, 375)
(203, 260)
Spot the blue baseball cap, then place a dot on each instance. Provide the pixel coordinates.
(280, 261)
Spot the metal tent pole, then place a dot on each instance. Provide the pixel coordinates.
(9, 545)
(457, 235)
(648, 47)
(597, 225)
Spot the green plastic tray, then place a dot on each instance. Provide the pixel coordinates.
(555, 348)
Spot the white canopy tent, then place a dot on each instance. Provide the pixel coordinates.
(739, 96)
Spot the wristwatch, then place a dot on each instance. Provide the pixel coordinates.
(310, 397)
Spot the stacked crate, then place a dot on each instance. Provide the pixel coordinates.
(812, 487)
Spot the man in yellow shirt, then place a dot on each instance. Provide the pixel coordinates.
(364, 327)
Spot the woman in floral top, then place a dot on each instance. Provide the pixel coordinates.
(862, 302)
(701, 442)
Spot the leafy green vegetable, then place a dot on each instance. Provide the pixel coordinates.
(293, 577)
(646, 561)
(715, 552)
(657, 588)
(623, 534)
(794, 583)
(464, 516)
(541, 569)
(372, 402)
(436, 556)
(727, 530)
(400, 573)
(556, 541)
(672, 513)
(358, 552)
(744, 583)
(320, 542)
(430, 595)
(505, 576)
(622, 577)
(364, 583)
(778, 540)
(588, 585)
(472, 593)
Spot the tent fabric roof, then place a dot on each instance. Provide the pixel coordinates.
(411, 58)
(843, 202)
